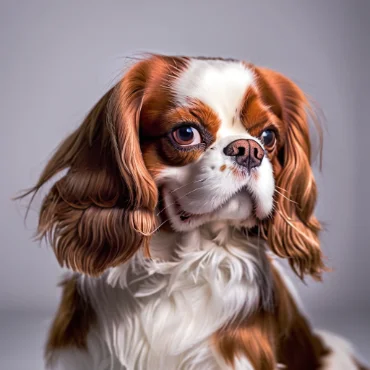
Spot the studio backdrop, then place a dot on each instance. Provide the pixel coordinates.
(59, 58)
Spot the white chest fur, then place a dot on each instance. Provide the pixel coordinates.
(162, 315)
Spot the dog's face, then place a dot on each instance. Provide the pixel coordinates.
(211, 151)
(188, 141)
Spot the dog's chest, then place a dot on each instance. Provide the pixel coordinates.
(172, 310)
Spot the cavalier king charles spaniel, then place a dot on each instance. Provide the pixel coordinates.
(180, 190)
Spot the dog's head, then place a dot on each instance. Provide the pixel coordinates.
(188, 141)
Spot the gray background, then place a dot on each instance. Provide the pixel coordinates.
(58, 58)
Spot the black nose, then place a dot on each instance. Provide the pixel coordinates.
(247, 152)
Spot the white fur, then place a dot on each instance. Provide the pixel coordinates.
(342, 354)
(243, 363)
(162, 315)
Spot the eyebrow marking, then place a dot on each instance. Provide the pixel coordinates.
(223, 167)
(261, 125)
(191, 111)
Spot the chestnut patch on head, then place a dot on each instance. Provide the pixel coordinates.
(253, 112)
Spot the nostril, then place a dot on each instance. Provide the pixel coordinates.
(247, 152)
(241, 150)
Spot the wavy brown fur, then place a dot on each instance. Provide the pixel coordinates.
(101, 211)
(293, 230)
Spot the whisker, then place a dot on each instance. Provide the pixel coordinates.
(153, 231)
(286, 197)
(192, 191)
(189, 183)
(280, 188)
(156, 229)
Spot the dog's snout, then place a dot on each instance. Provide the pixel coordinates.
(247, 152)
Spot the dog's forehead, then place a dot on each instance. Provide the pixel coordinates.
(220, 84)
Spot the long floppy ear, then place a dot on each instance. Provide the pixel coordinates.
(102, 210)
(293, 231)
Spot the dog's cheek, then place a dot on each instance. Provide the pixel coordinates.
(153, 161)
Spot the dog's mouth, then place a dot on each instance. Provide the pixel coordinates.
(173, 209)
(238, 207)
(185, 216)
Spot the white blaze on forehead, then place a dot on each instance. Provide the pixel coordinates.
(219, 84)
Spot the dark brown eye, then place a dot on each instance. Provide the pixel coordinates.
(268, 138)
(186, 136)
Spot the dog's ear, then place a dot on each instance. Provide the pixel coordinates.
(102, 210)
(293, 230)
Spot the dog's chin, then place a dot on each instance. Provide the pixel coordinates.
(237, 211)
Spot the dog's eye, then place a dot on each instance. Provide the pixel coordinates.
(186, 136)
(268, 138)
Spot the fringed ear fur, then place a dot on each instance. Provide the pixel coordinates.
(293, 230)
(102, 210)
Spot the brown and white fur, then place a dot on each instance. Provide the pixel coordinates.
(183, 184)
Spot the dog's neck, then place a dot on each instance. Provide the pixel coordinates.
(215, 249)
(164, 243)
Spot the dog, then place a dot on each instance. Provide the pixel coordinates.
(181, 189)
